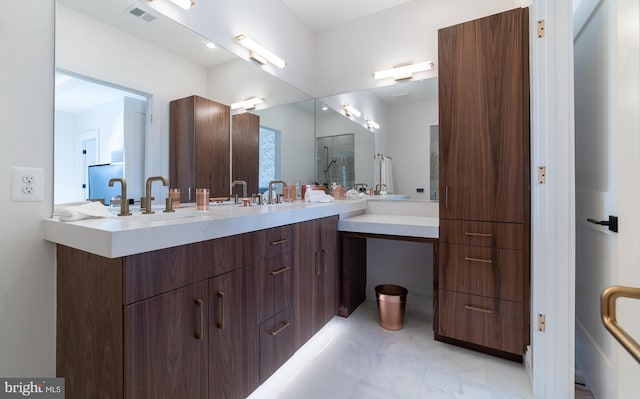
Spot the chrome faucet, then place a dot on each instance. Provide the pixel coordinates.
(271, 183)
(124, 202)
(146, 200)
(244, 189)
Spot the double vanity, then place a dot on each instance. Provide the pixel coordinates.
(197, 304)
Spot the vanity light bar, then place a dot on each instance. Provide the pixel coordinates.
(404, 71)
(372, 125)
(186, 4)
(248, 104)
(349, 110)
(259, 51)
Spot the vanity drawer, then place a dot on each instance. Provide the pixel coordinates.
(277, 241)
(275, 285)
(276, 343)
(492, 323)
(490, 272)
(484, 234)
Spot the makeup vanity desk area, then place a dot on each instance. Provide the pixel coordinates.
(403, 220)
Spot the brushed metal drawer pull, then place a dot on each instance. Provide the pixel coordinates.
(281, 329)
(469, 307)
(478, 234)
(477, 260)
(278, 242)
(281, 270)
(200, 333)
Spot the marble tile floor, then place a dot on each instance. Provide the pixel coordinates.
(355, 358)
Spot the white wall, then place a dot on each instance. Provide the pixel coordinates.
(27, 285)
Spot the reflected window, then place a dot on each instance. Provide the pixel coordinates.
(269, 160)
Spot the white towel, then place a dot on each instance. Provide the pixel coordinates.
(317, 196)
(84, 211)
(383, 173)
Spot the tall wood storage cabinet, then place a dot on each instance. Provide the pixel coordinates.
(482, 292)
(245, 145)
(199, 146)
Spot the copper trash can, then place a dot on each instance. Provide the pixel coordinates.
(391, 302)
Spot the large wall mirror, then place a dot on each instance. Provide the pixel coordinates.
(129, 59)
(407, 115)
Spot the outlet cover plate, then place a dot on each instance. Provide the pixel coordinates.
(27, 184)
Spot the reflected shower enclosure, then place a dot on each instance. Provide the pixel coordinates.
(335, 160)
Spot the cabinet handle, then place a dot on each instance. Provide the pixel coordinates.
(317, 263)
(446, 196)
(220, 324)
(278, 242)
(466, 233)
(281, 270)
(476, 309)
(281, 329)
(200, 333)
(189, 193)
(477, 260)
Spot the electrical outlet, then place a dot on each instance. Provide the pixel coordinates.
(27, 184)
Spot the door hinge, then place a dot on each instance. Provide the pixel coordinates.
(542, 175)
(541, 28)
(541, 322)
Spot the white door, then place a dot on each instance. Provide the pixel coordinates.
(607, 151)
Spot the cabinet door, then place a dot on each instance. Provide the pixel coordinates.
(328, 277)
(276, 285)
(276, 343)
(166, 345)
(212, 146)
(305, 293)
(245, 151)
(233, 335)
(483, 118)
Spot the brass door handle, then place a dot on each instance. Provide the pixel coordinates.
(220, 324)
(281, 329)
(608, 314)
(281, 270)
(278, 242)
(199, 334)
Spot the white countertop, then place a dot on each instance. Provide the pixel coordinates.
(399, 225)
(128, 235)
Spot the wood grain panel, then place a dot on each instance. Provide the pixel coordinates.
(227, 253)
(484, 234)
(492, 323)
(276, 343)
(89, 341)
(245, 151)
(212, 146)
(163, 356)
(353, 273)
(182, 147)
(490, 272)
(233, 334)
(152, 273)
(482, 122)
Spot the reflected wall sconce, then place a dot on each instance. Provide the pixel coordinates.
(404, 71)
(259, 53)
(248, 104)
(349, 110)
(186, 4)
(371, 124)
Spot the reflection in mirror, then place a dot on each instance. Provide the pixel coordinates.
(94, 123)
(287, 144)
(405, 112)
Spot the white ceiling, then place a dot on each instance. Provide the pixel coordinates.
(322, 14)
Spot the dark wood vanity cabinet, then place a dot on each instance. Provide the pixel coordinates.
(483, 274)
(212, 319)
(199, 142)
(245, 151)
(316, 279)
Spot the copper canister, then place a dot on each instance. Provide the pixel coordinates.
(391, 304)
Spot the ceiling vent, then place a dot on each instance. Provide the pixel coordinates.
(142, 14)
